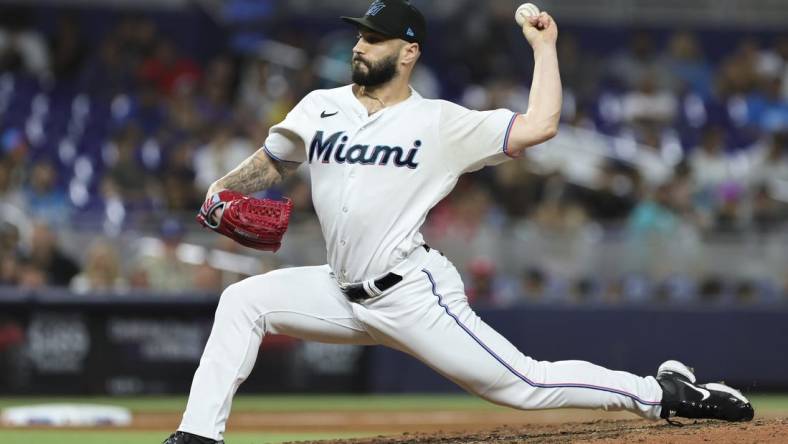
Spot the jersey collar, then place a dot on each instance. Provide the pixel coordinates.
(362, 111)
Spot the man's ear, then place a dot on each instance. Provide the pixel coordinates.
(410, 53)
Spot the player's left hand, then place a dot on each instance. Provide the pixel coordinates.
(255, 223)
(540, 30)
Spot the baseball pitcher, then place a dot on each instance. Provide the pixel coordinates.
(380, 157)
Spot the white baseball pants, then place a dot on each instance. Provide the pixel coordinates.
(426, 315)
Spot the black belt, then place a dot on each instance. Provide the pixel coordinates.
(357, 293)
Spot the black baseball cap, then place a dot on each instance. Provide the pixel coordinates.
(393, 18)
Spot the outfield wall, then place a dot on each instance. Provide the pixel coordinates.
(60, 343)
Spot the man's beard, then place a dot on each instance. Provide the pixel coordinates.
(377, 73)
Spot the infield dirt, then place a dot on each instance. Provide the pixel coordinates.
(504, 426)
(623, 431)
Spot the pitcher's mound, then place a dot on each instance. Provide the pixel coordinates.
(646, 432)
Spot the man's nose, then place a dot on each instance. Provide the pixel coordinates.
(359, 48)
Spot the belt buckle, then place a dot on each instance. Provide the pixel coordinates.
(354, 292)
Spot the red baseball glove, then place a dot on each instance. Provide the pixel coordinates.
(255, 223)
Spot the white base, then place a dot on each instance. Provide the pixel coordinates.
(65, 415)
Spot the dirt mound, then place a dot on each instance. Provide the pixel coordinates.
(647, 432)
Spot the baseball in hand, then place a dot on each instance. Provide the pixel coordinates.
(524, 11)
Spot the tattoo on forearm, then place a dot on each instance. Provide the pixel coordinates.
(254, 174)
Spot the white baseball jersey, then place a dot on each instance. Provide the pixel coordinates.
(374, 178)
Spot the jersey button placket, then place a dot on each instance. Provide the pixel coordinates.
(347, 186)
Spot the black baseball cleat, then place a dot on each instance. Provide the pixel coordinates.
(682, 397)
(188, 438)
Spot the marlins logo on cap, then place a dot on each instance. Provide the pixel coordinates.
(375, 8)
(393, 18)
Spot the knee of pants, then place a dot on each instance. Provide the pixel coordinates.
(243, 300)
(512, 390)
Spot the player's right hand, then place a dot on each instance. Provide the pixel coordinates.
(215, 215)
(540, 30)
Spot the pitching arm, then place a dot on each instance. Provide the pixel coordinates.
(540, 122)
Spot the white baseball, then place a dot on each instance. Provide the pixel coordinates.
(524, 11)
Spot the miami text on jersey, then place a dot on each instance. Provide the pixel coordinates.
(322, 149)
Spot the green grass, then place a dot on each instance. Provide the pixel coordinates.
(773, 403)
(125, 437)
(283, 403)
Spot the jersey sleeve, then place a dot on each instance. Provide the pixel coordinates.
(475, 139)
(286, 141)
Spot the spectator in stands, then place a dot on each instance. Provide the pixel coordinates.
(224, 152)
(138, 278)
(516, 188)
(729, 218)
(101, 271)
(648, 103)
(682, 196)
(558, 211)
(710, 165)
(149, 111)
(164, 271)
(579, 69)
(207, 279)
(179, 178)
(533, 285)
(745, 292)
(686, 62)
(31, 276)
(183, 116)
(712, 290)
(9, 189)
(9, 254)
(767, 213)
(770, 160)
(746, 57)
(171, 71)
(614, 193)
(107, 73)
(264, 95)
(640, 61)
(22, 49)
(613, 293)
(44, 199)
(781, 51)
(654, 219)
(125, 169)
(14, 150)
(137, 38)
(299, 191)
(463, 214)
(766, 108)
(481, 287)
(67, 49)
(582, 291)
(214, 100)
(45, 260)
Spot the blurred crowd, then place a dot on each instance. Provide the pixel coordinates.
(112, 134)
